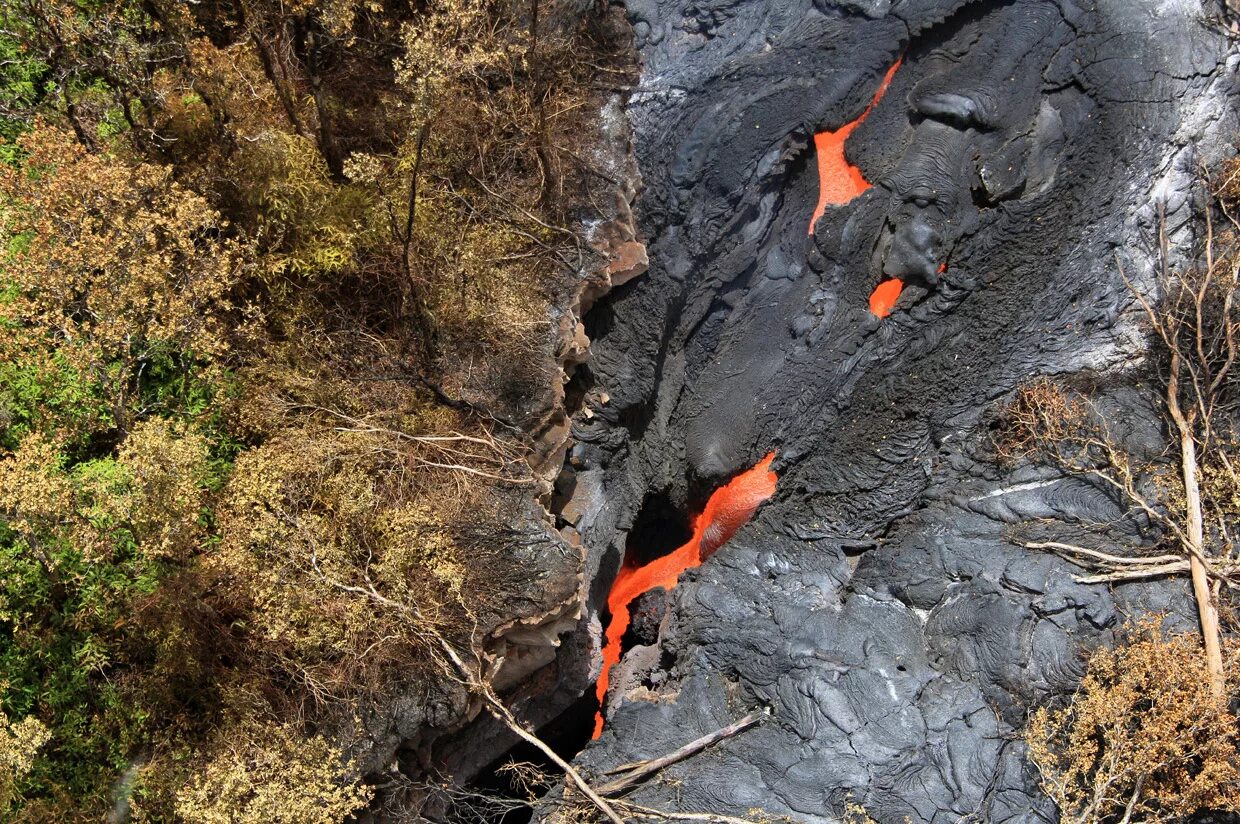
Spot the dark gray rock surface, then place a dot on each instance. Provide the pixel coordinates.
(880, 604)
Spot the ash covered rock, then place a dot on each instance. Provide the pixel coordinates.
(881, 604)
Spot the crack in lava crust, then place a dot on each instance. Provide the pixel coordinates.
(838, 180)
(729, 508)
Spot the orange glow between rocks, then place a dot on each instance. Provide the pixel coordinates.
(884, 297)
(838, 180)
(729, 508)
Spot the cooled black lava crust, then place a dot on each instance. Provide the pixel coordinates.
(879, 604)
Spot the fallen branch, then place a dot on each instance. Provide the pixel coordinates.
(1102, 556)
(640, 770)
(1117, 568)
(638, 811)
(1138, 574)
(498, 709)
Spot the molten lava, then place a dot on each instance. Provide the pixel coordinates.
(729, 508)
(884, 297)
(838, 180)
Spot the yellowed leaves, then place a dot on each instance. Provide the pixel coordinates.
(311, 521)
(166, 465)
(35, 493)
(453, 40)
(108, 262)
(19, 742)
(1144, 733)
(266, 773)
(110, 256)
(154, 491)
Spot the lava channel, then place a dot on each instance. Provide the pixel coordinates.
(883, 298)
(838, 180)
(729, 508)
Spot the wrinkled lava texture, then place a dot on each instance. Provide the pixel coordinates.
(880, 603)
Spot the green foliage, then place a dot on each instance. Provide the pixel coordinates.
(47, 394)
(114, 446)
(82, 549)
(308, 225)
(239, 269)
(21, 86)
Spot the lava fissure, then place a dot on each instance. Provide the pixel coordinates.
(883, 298)
(838, 180)
(729, 508)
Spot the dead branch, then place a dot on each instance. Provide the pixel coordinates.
(638, 811)
(1192, 322)
(1139, 574)
(1103, 556)
(1190, 472)
(452, 449)
(481, 687)
(1119, 568)
(640, 770)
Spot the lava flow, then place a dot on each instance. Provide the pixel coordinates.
(838, 180)
(729, 508)
(884, 297)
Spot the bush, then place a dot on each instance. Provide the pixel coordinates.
(1143, 739)
(114, 276)
(271, 774)
(18, 744)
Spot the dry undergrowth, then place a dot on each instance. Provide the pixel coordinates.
(1143, 739)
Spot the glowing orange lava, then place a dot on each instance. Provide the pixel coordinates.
(838, 180)
(729, 508)
(884, 297)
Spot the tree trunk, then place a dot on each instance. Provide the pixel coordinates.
(1207, 613)
(427, 328)
(268, 59)
(329, 147)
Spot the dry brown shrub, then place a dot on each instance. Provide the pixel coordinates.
(1227, 184)
(323, 529)
(1142, 739)
(1049, 423)
(1040, 414)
